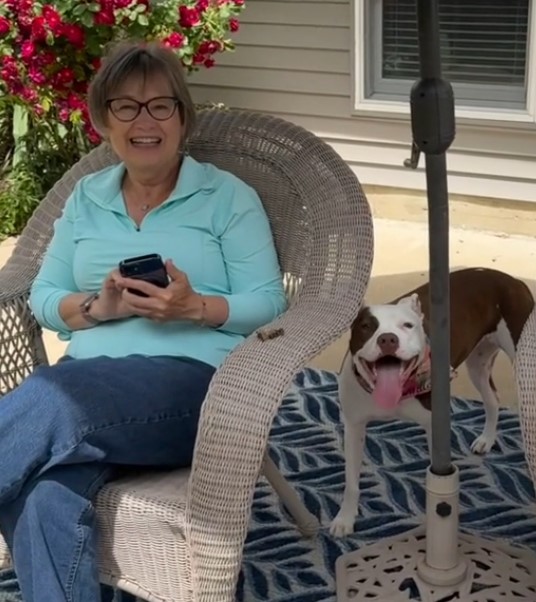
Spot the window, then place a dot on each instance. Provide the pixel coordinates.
(484, 50)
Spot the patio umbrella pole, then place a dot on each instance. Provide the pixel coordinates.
(433, 128)
(437, 562)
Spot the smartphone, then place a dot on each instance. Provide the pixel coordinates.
(149, 268)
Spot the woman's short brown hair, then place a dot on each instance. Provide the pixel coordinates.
(138, 59)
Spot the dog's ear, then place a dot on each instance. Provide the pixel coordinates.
(414, 302)
(364, 308)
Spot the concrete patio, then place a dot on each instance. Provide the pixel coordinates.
(401, 263)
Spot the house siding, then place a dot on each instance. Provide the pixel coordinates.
(294, 60)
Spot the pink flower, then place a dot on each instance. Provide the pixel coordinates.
(64, 113)
(234, 24)
(202, 5)
(173, 40)
(52, 19)
(189, 17)
(199, 58)
(5, 26)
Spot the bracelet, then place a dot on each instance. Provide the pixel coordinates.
(85, 306)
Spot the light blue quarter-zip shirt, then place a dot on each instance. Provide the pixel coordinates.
(214, 228)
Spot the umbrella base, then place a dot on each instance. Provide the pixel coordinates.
(389, 571)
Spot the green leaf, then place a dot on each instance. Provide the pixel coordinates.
(143, 20)
(87, 19)
(80, 9)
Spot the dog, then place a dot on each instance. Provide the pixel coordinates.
(385, 373)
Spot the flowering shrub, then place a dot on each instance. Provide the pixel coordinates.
(49, 51)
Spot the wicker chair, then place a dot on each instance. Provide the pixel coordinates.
(179, 535)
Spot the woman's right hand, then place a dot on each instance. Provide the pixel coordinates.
(110, 304)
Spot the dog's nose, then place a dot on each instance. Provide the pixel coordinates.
(388, 343)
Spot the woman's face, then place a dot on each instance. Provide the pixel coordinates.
(148, 139)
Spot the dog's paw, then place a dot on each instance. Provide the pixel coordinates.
(342, 525)
(482, 444)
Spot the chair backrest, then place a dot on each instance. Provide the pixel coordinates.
(310, 195)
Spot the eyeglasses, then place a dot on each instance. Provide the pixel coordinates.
(160, 108)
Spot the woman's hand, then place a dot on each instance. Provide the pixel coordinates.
(178, 301)
(110, 305)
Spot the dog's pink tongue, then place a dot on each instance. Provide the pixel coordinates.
(388, 388)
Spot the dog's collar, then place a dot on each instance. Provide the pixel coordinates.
(419, 381)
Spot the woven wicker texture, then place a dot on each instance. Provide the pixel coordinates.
(525, 367)
(179, 536)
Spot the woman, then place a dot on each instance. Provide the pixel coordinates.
(137, 368)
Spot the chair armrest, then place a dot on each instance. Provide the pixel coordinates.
(525, 372)
(21, 345)
(237, 416)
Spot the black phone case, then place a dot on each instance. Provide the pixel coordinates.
(130, 268)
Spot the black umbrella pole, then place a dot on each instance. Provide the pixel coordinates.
(433, 125)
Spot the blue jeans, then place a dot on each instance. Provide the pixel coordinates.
(64, 432)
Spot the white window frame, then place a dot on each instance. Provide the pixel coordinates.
(393, 108)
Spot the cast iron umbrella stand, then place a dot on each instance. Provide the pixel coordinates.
(435, 563)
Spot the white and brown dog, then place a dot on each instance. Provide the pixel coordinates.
(386, 371)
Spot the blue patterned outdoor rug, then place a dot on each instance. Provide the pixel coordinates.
(497, 495)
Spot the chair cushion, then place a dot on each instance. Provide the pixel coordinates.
(141, 530)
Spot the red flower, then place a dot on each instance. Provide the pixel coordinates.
(52, 18)
(74, 102)
(37, 76)
(189, 17)
(39, 32)
(209, 47)
(234, 25)
(106, 14)
(29, 95)
(239, 2)
(27, 51)
(199, 58)
(75, 35)
(10, 71)
(209, 62)
(92, 134)
(202, 5)
(5, 26)
(45, 59)
(64, 77)
(173, 40)
(96, 63)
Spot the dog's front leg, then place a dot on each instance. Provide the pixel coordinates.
(354, 443)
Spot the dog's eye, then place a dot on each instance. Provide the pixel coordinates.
(408, 325)
(364, 325)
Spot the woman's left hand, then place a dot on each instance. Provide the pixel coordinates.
(178, 301)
